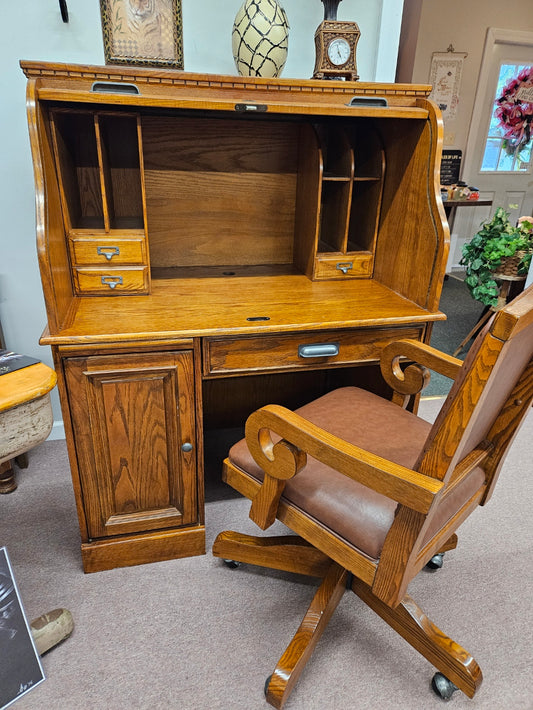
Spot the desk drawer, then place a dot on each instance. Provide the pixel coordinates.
(300, 350)
(339, 266)
(112, 281)
(107, 250)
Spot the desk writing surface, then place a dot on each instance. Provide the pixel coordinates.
(185, 308)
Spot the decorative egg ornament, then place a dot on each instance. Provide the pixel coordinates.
(260, 38)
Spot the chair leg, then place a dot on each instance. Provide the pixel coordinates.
(289, 553)
(7, 477)
(298, 652)
(437, 560)
(410, 622)
(475, 330)
(450, 544)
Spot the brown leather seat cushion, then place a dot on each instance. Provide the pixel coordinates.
(354, 512)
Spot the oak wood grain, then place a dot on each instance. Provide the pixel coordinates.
(289, 553)
(134, 473)
(414, 626)
(292, 663)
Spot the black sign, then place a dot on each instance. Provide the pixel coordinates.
(20, 665)
(450, 166)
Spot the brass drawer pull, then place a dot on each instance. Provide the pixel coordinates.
(111, 281)
(108, 252)
(344, 266)
(318, 350)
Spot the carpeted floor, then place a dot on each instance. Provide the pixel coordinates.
(195, 635)
(462, 313)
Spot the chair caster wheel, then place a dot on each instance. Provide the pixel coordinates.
(232, 564)
(443, 687)
(435, 562)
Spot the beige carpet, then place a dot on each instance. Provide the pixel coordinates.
(194, 635)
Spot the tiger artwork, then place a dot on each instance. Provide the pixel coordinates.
(142, 28)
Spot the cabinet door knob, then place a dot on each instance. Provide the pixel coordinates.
(187, 446)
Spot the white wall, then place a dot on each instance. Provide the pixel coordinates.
(36, 32)
(464, 26)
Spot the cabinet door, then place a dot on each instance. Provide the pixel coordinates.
(134, 431)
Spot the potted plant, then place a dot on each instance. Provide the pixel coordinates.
(489, 252)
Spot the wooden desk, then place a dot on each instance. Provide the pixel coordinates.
(209, 244)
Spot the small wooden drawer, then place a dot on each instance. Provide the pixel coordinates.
(107, 250)
(344, 266)
(299, 351)
(112, 281)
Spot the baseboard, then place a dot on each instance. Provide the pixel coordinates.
(58, 431)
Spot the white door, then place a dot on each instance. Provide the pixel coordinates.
(502, 174)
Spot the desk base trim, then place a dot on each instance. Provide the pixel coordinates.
(127, 551)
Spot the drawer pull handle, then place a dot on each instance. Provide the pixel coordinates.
(318, 350)
(114, 87)
(186, 447)
(111, 281)
(108, 252)
(368, 101)
(345, 266)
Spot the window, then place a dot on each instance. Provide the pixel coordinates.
(500, 154)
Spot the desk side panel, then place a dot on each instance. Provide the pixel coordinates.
(413, 227)
(51, 243)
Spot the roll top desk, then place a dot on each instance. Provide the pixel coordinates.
(209, 244)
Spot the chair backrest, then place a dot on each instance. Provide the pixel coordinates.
(469, 439)
(499, 361)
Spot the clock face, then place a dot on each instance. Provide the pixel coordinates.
(338, 51)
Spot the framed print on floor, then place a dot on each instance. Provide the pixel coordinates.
(20, 665)
(143, 32)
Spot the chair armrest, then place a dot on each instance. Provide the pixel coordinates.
(284, 459)
(416, 376)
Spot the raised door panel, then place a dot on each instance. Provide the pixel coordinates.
(132, 416)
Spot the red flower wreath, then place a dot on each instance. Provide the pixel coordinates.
(514, 114)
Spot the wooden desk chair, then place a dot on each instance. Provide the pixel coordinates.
(374, 492)
(25, 415)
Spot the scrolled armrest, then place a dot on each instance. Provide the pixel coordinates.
(301, 437)
(416, 376)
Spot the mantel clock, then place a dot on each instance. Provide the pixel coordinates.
(335, 46)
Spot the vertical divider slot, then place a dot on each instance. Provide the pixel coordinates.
(76, 155)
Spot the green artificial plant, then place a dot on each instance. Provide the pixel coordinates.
(482, 256)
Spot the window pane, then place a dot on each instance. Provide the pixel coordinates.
(505, 162)
(523, 158)
(492, 152)
(496, 157)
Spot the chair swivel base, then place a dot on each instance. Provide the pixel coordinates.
(457, 669)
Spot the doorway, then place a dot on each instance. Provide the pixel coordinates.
(504, 177)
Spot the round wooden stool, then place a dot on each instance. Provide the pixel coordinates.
(25, 415)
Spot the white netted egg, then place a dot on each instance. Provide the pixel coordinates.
(260, 38)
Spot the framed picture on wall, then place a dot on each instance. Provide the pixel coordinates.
(143, 32)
